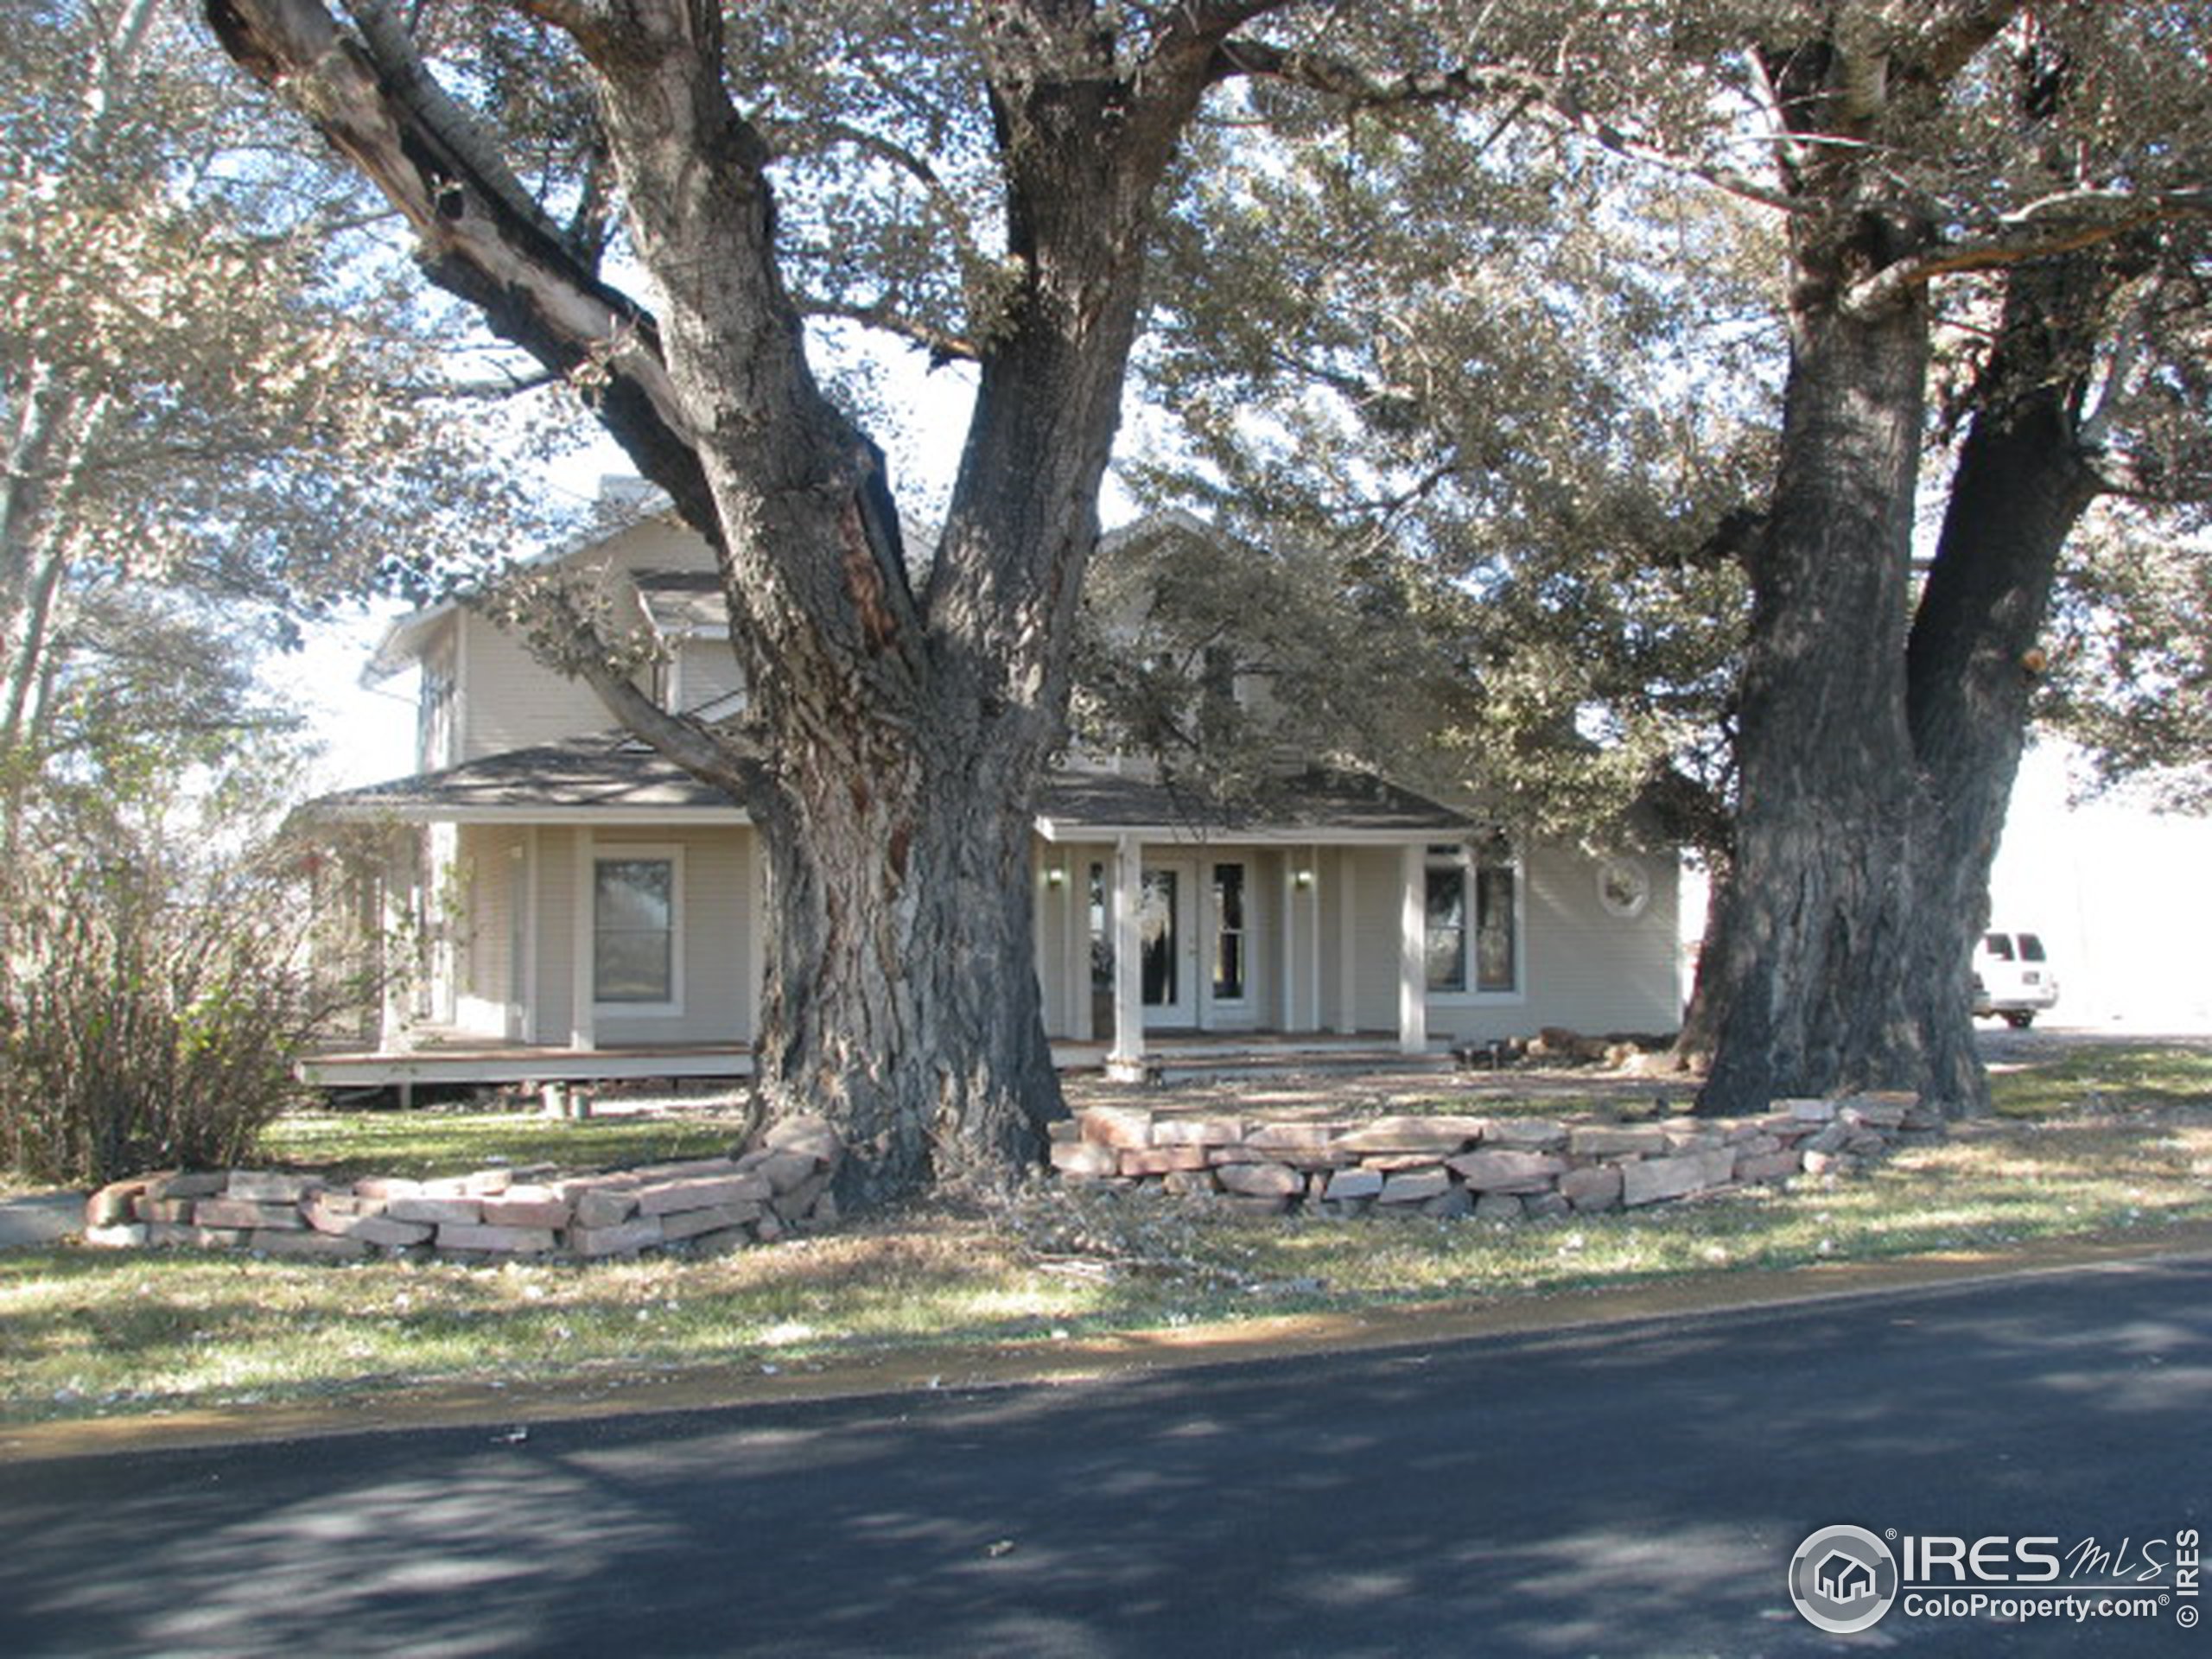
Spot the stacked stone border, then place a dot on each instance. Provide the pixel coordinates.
(701, 1203)
(1501, 1168)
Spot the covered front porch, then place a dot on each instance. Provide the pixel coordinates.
(1310, 922)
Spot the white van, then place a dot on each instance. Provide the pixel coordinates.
(2012, 978)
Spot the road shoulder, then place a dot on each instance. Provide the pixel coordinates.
(1083, 1360)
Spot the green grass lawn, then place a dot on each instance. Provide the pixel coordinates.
(439, 1141)
(2120, 1078)
(86, 1332)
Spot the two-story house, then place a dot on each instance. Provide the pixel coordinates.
(576, 908)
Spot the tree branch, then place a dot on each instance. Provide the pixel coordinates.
(1553, 97)
(719, 758)
(941, 344)
(478, 237)
(411, 84)
(2086, 219)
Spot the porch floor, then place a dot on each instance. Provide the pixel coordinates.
(451, 1057)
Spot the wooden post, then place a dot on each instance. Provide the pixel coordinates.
(1126, 1062)
(1412, 950)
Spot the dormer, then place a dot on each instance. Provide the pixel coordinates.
(483, 693)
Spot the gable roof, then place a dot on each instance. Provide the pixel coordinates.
(610, 778)
(623, 506)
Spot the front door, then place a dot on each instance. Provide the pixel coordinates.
(1167, 941)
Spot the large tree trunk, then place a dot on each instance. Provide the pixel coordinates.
(901, 997)
(1801, 981)
(2022, 481)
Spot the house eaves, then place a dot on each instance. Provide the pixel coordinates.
(605, 779)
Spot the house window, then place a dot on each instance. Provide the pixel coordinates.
(1447, 926)
(434, 744)
(1229, 937)
(1497, 904)
(1473, 904)
(1158, 904)
(633, 929)
(1101, 907)
(1623, 888)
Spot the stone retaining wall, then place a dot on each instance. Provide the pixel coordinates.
(706, 1203)
(1503, 1168)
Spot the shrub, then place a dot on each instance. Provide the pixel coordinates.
(149, 1018)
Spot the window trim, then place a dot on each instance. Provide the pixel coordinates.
(1466, 858)
(639, 852)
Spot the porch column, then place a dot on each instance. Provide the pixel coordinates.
(1312, 974)
(582, 1035)
(1413, 949)
(1126, 1062)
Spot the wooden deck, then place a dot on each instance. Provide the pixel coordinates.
(1169, 1058)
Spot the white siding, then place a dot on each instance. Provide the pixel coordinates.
(509, 700)
(487, 978)
(1376, 890)
(1601, 972)
(438, 734)
(1060, 918)
(658, 544)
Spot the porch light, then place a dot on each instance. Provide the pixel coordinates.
(1056, 877)
(1302, 879)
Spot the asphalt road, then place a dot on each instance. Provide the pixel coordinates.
(1635, 1489)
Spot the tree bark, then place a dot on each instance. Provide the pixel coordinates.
(2025, 477)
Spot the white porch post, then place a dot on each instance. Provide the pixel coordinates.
(1126, 1062)
(1312, 974)
(1412, 951)
(582, 1034)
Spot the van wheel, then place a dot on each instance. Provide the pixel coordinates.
(2020, 1019)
